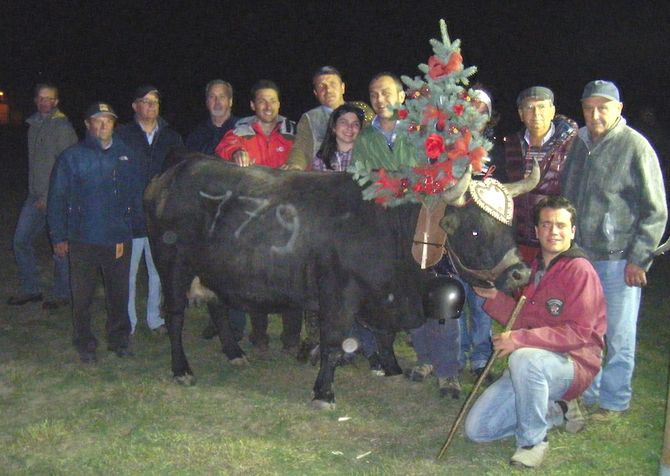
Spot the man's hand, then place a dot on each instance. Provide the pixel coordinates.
(241, 157)
(40, 204)
(503, 342)
(61, 249)
(487, 293)
(635, 276)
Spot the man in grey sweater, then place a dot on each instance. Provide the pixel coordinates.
(49, 134)
(613, 177)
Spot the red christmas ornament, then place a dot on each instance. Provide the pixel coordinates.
(402, 114)
(459, 109)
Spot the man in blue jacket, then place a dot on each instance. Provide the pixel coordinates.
(94, 205)
(151, 139)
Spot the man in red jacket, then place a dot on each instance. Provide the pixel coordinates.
(263, 139)
(555, 347)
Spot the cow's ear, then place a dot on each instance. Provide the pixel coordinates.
(450, 222)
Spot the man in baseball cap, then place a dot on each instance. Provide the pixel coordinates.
(94, 205)
(613, 177)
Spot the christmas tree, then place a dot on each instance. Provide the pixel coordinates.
(442, 123)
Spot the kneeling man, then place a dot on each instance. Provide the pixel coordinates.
(555, 347)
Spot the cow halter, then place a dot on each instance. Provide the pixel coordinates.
(485, 276)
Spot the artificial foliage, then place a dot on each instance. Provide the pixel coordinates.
(441, 121)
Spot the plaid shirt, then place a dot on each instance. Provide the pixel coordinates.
(340, 163)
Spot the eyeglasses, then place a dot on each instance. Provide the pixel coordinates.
(149, 102)
(542, 107)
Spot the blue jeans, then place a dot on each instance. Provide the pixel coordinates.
(612, 386)
(436, 343)
(518, 403)
(30, 226)
(475, 338)
(366, 337)
(154, 319)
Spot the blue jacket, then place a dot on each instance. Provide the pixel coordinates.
(206, 136)
(95, 195)
(150, 157)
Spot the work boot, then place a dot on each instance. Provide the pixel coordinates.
(449, 386)
(419, 373)
(376, 365)
(572, 415)
(530, 456)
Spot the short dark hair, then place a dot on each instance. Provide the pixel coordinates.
(394, 77)
(556, 202)
(219, 82)
(41, 86)
(263, 84)
(326, 70)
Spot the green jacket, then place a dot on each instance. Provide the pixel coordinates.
(371, 148)
(617, 188)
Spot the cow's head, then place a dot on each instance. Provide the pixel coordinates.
(482, 247)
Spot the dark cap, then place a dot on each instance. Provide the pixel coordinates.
(602, 88)
(98, 109)
(144, 90)
(539, 93)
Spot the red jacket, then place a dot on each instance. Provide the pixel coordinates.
(564, 313)
(270, 151)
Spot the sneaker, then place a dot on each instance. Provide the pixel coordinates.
(572, 415)
(22, 299)
(605, 415)
(529, 456)
(160, 330)
(449, 386)
(488, 380)
(87, 357)
(121, 352)
(376, 365)
(210, 331)
(419, 373)
(54, 304)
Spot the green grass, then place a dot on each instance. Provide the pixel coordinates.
(126, 416)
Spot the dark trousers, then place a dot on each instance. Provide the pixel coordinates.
(85, 261)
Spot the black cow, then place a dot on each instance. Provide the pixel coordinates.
(267, 240)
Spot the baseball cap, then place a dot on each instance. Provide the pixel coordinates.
(144, 90)
(98, 109)
(535, 92)
(602, 88)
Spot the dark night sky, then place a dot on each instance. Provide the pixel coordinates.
(103, 50)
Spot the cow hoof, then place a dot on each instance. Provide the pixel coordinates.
(186, 380)
(323, 405)
(239, 361)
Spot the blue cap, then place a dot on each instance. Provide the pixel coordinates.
(602, 88)
(539, 93)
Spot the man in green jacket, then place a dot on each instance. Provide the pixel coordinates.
(49, 134)
(378, 144)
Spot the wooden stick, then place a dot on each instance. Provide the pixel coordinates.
(478, 383)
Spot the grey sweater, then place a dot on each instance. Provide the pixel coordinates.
(47, 138)
(617, 187)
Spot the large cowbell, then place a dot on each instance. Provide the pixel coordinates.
(444, 298)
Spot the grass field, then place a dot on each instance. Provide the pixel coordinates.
(126, 416)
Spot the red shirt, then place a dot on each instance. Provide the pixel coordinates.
(270, 151)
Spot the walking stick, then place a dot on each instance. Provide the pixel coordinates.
(478, 383)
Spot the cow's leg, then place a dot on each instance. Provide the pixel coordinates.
(386, 354)
(331, 357)
(291, 327)
(219, 314)
(308, 346)
(176, 279)
(259, 330)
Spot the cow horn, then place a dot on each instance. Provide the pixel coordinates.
(456, 195)
(527, 184)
